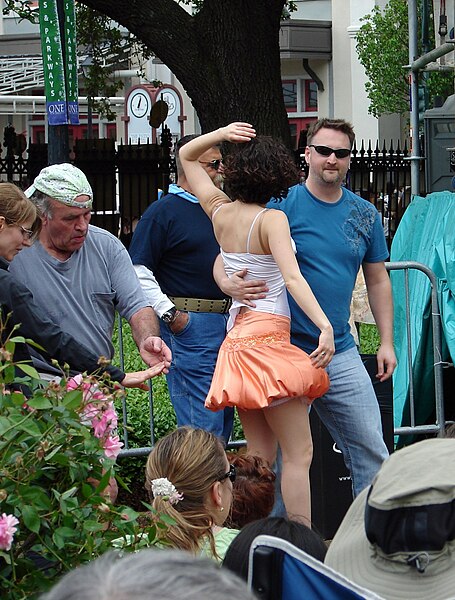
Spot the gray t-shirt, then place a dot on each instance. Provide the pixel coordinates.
(82, 293)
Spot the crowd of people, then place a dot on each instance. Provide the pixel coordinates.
(237, 286)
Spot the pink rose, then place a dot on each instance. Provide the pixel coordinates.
(7, 530)
(74, 382)
(105, 422)
(112, 446)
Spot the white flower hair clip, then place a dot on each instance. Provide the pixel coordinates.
(167, 490)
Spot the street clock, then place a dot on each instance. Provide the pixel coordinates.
(137, 108)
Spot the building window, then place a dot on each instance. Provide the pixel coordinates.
(311, 95)
(290, 95)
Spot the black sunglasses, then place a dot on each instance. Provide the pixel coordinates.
(231, 474)
(213, 164)
(327, 151)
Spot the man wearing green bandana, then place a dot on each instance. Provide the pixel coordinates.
(80, 274)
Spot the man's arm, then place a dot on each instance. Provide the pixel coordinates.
(146, 331)
(158, 299)
(236, 286)
(380, 298)
(152, 290)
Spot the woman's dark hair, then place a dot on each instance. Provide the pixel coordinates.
(253, 491)
(259, 170)
(295, 532)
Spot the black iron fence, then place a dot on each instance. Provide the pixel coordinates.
(127, 178)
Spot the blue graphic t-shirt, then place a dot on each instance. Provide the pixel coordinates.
(333, 240)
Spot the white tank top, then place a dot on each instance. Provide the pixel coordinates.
(259, 266)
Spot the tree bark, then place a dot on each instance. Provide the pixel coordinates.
(227, 56)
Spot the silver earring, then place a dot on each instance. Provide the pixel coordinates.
(221, 508)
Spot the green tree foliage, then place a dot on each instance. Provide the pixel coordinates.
(382, 47)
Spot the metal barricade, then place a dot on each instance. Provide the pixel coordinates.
(439, 426)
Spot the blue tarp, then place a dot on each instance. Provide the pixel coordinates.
(426, 234)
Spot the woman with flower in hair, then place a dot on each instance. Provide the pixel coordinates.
(188, 478)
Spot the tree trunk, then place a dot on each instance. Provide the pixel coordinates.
(227, 57)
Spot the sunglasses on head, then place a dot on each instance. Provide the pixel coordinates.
(213, 164)
(327, 151)
(231, 474)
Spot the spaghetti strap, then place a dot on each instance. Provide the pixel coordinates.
(251, 228)
(217, 209)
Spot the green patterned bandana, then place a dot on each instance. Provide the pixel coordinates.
(63, 183)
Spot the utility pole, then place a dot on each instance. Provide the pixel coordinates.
(414, 85)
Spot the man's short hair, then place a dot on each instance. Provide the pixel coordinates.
(182, 141)
(336, 124)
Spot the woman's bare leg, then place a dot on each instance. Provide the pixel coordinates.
(291, 426)
(260, 439)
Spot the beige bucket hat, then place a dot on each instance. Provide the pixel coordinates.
(398, 537)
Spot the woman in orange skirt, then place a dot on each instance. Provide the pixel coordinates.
(258, 370)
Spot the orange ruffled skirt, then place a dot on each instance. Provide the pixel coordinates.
(257, 365)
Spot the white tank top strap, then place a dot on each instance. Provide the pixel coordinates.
(251, 228)
(217, 209)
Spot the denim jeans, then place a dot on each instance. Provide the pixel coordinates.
(194, 354)
(350, 411)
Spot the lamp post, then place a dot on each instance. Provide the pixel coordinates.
(86, 66)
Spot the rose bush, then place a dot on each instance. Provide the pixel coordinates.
(57, 451)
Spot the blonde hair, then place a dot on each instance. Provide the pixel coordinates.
(192, 460)
(16, 208)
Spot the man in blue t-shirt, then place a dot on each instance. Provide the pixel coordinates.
(335, 233)
(173, 250)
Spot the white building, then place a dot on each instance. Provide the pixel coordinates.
(321, 74)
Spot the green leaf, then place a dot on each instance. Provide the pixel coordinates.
(93, 526)
(73, 399)
(35, 495)
(128, 514)
(87, 490)
(69, 493)
(28, 370)
(39, 402)
(31, 518)
(62, 534)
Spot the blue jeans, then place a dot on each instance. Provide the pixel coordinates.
(194, 354)
(350, 411)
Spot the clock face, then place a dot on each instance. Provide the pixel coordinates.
(139, 105)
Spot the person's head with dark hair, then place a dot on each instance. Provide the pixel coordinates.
(336, 124)
(257, 171)
(295, 532)
(253, 489)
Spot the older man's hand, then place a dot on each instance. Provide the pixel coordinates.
(154, 351)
